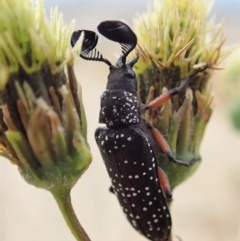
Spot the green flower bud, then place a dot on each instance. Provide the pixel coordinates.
(43, 128)
(173, 37)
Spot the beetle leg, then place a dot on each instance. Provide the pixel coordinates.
(111, 190)
(157, 102)
(164, 182)
(167, 150)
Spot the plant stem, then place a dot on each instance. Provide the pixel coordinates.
(63, 200)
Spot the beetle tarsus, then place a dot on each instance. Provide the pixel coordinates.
(172, 158)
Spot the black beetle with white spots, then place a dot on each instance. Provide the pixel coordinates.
(128, 144)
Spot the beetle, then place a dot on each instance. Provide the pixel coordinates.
(129, 144)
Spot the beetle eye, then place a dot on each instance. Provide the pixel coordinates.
(130, 74)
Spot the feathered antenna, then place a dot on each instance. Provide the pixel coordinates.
(119, 32)
(89, 51)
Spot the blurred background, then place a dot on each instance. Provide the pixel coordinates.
(205, 207)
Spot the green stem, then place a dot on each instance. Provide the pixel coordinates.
(63, 200)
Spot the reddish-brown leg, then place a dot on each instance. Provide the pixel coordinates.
(167, 96)
(163, 180)
(166, 148)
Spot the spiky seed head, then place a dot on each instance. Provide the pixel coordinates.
(173, 37)
(42, 120)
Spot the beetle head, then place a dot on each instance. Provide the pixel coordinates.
(121, 76)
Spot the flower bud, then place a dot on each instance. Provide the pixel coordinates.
(174, 37)
(42, 119)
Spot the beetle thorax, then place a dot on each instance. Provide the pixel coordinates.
(119, 103)
(119, 107)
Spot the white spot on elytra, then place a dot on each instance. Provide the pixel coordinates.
(134, 223)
